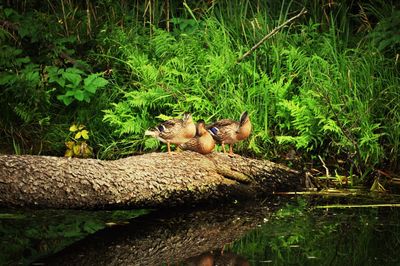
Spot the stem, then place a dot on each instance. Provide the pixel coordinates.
(269, 35)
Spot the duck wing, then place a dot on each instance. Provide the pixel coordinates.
(223, 129)
(169, 128)
(221, 124)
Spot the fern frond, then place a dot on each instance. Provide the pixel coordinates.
(23, 112)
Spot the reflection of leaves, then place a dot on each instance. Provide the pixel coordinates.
(123, 215)
(23, 235)
(33, 233)
(11, 216)
(92, 226)
(72, 230)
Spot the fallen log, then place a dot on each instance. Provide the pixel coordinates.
(149, 180)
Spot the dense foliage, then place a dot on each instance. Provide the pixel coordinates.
(327, 85)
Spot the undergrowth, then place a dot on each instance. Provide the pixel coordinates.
(325, 86)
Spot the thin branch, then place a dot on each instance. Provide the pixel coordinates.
(326, 168)
(272, 33)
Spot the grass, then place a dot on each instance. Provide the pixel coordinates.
(325, 85)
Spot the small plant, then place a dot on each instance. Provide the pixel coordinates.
(74, 85)
(77, 146)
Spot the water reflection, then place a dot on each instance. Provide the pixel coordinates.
(301, 234)
(217, 257)
(275, 232)
(170, 237)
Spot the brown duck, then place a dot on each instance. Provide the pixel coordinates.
(174, 131)
(202, 143)
(227, 131)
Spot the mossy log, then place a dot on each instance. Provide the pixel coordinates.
(149, 180)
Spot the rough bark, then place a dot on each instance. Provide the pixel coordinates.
(173, 238)
(149, 180)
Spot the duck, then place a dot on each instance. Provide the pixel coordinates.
(227, 131)
(174, 131)
(203, 142)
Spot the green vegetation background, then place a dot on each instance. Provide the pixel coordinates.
(327, 85)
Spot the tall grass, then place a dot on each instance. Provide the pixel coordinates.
(326, 85)
(305, 88)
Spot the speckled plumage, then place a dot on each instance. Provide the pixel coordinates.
(227, 131)
(174, 131)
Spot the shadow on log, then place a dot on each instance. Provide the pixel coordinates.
(149, 180)
(173, 238)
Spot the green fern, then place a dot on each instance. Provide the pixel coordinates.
(23, 112)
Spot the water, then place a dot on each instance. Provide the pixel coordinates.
(276, 231)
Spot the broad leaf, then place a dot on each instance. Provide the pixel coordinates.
(93, 82)
(85, 134)
(78, 135)
(73, 128)
(74, 78)
(79, 95)
(65, 99)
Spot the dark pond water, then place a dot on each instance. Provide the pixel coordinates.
(302, 230)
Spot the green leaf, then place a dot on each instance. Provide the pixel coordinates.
(164, 117)
(23, 60)
(59, 81)
(8, 79)
(32, 76)
(8, 12)
(151, 144)
(75, 71)
(79, 95)
(93, 82)
(70, 93)
(74, 78)
(51, 70)
(65, 99)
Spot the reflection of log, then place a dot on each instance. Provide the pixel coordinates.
(140, 181)
(166, 238)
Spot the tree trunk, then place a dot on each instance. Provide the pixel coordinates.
(149, 180)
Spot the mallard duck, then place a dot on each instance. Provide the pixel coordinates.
(202, 143)
(174, 131)
(227, 131)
